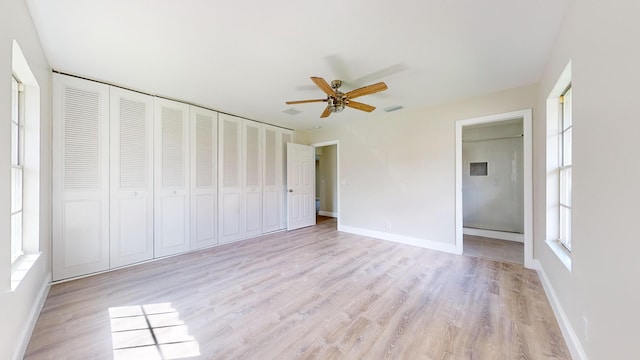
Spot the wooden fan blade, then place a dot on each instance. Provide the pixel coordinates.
(326, 113)
(304, 101)
(323, 85)
(366, 90)
(360, 106)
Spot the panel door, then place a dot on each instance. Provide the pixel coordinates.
(301, 180)
(204, 180)
(252, 178)
(230, 178)
(171, 181)
(80, 177)
(131, 195)
(286, 137)
(272, 186)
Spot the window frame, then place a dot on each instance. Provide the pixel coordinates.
(565, 164)
(30, 117)
(17, 168)
(553, 164)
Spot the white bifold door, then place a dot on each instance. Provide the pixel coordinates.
(171, 181)
(80, 177)
(301, 180)
(252, 178)
(274, 201)
(136, 177)
(287, 137)
(204, 177)
(240, 179)
(272, 187)
(131, 196)
(230, 178)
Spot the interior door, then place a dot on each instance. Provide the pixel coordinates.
(287, 137)
(252, 178)
(272, 179)
(131, 204)
(230, 178)
(80, 177)
(301, 180)
(204, 177)
(171, 215)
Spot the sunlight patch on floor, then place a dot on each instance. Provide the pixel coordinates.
(150, 331)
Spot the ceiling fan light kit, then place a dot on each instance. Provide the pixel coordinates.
(337, 100)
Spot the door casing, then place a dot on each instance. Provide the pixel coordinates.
(526, 116)
(329, 143)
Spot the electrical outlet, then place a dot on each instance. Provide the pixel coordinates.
(387, 224)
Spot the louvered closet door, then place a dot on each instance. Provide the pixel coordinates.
(80, 177)
(131, 223)
(272, 188)
(204, 171)
(230, 176)
(171, 181)
(286, 137)
(252, 179)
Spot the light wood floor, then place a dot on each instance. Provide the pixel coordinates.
(494, 249)
(313, 293)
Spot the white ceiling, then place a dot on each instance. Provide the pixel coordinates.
(247, 57)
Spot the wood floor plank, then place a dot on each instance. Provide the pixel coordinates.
(313, 293)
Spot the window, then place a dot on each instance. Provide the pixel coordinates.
(559, 161)
(24, 141)
(17, 167)
(565, 168)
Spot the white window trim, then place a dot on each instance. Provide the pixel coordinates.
(565, 242)
(553, 169)
(31, 165)
(18, 165)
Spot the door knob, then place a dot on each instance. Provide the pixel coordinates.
(290, 190)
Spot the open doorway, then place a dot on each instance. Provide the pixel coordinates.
(327, 183)
(493, 191)
(494, 187)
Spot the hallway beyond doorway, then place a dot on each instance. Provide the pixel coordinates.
(494, 249)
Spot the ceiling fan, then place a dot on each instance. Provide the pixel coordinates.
(337, 100)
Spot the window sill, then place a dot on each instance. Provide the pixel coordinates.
(563, 254)
(21, 267)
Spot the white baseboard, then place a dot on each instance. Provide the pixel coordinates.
(502, 235)
(328, 213)
(27, 330)
(573, 343)
(427, 244)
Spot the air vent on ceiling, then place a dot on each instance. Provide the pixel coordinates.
(393, 108)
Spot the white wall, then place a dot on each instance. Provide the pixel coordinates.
(494, 201)
(397, 170)
(18, 306)
(602, 289)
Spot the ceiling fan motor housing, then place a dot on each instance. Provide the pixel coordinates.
(336, 103)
